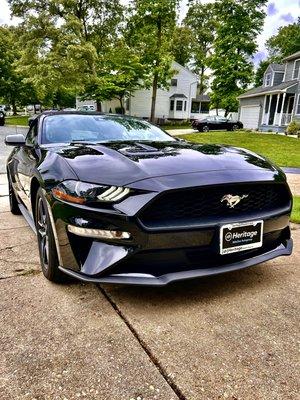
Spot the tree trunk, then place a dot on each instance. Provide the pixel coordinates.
(121, 104)
(201, 83)
(155, 77)
(14, 107)
(153, 100)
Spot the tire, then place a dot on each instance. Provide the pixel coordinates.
(205, 128)
(13, 202)
(46, 241)
(234, 127)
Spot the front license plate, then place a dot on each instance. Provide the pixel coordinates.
(241, 236)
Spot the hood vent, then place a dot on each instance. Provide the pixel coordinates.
(139, 149)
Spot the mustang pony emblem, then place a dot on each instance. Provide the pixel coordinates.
(232, 200)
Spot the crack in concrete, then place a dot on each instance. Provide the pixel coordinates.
(144, 346)
(14, 227)
(16, 245)
(19, 261)
(25, 273)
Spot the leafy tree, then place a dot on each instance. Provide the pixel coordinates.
(182, 45)
(261, 69)
(122, 75)
(65, 42)
(201, 20)
(150, 30)
(285, 42)
(13, 87)
(239, 23)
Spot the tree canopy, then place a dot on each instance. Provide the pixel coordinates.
(237, 28)
(104, 49)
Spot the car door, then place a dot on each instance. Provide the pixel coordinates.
(25, 162)
(221, 123)
(211, 122)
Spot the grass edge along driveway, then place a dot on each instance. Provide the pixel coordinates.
(295, 216)
(282, 150)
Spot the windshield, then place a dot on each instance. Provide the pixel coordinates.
(99, 128)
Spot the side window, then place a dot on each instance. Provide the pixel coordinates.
(31, 138)
(296, 69)
(268, 78)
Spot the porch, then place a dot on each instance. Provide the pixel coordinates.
(278, 110)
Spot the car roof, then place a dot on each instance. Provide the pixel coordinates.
(66, 112)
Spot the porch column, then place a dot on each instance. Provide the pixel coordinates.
(269, 108)
(275, 114)
(264, 110)
(282, 105)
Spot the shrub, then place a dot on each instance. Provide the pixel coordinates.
(293, 128)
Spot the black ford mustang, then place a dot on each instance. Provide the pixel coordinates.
(116, 199)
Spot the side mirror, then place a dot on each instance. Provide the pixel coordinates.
(15, 140)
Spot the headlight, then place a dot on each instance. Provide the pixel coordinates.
(84, 193)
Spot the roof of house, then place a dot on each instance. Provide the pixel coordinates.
(277, 67)
(175, 63)
(270, 89)
(178, 95)
(202, 97)
(292, 56)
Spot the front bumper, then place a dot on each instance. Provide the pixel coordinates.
(150, 280)
(155, 258)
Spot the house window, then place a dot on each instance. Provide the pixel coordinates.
(173, 82)
(204, 109)
(185, 106)
(172, 105)
(127, 105)
(298, 105)
(268, 79)
(195, 107)
(179, 104)
(296, 69)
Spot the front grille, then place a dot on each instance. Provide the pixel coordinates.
(202, 203)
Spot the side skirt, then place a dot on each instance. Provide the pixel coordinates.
(28, 217)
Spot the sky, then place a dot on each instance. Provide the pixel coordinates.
(279, 13)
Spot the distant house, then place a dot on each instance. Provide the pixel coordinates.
(273, 105)
(179, 102)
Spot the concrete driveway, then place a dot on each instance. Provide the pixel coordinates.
(234, 336)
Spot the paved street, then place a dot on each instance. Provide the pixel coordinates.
(234, 336)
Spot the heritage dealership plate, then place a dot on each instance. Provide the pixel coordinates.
(241, 236)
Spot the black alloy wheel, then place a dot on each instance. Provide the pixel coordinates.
(46, 241)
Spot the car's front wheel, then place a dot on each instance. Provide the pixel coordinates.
(46, 241)
(235, 127)
(205, 128)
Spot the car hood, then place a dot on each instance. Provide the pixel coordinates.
(121, 163)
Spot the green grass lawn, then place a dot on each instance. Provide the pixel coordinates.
(283, 150)
(295, 217)
(17, 120)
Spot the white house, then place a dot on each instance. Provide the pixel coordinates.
(179, 102)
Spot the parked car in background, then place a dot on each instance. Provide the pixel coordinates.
(216, 122)
(2, 118)
(115, 199)
(3, 109)
(87, 107)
